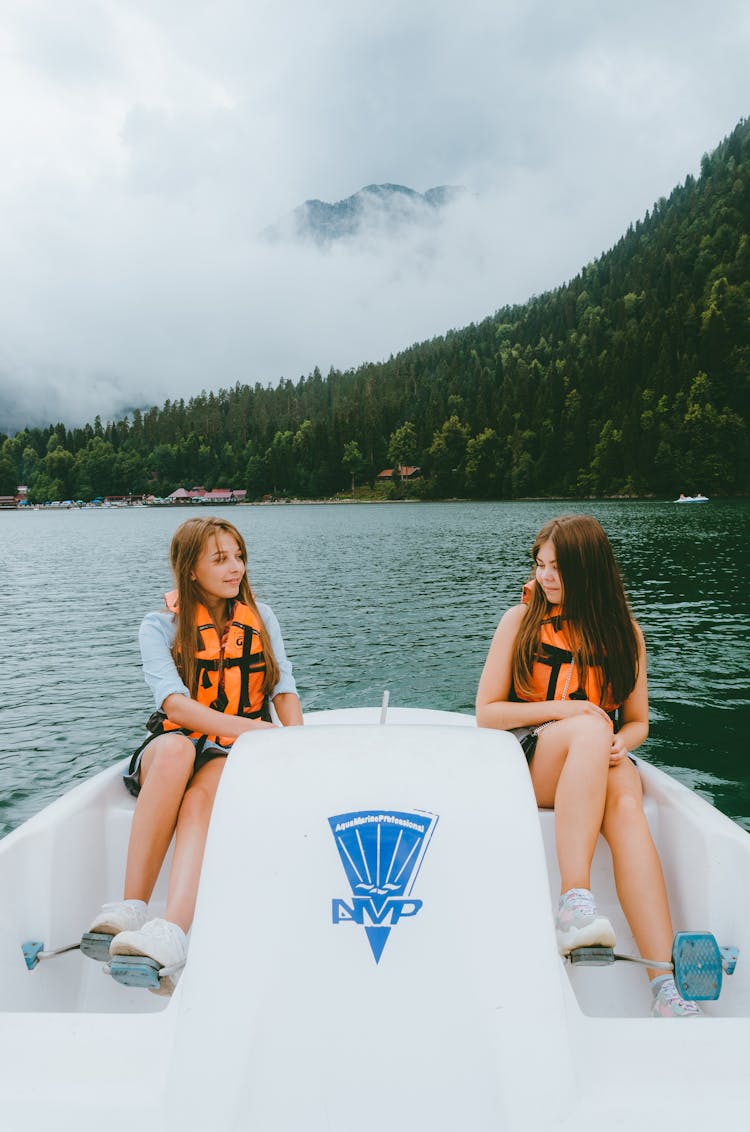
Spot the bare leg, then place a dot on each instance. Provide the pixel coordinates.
(569, 771)
(638, 873)
(190, 842)
(166, 768)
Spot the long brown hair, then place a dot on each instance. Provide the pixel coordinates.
(188, 543)
(596, 617)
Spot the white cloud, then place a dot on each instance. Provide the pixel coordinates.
(146, 144)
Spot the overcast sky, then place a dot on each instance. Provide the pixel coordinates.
(144, 144)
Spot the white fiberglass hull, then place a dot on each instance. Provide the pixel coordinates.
(373, 945)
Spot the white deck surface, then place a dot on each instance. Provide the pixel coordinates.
(283, 1019)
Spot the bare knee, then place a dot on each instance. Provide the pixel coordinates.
(587, 741)
(623, 808)
(168, 760)
(577, 749)
(592, 731)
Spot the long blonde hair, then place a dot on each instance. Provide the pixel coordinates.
(596, 617)
(188, 543)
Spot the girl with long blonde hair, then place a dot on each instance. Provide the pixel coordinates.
(215, 661)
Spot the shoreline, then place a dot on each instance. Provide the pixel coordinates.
(348, 501)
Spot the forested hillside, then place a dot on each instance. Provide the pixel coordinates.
(634, 378)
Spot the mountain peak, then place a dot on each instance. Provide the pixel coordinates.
(385, 207)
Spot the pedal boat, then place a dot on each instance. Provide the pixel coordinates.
(373, 947)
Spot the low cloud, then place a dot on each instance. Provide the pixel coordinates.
(190, 311)
(145, 148)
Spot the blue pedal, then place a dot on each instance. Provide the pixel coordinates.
(31, 949)
(697, 965)
(95, 945)
(592, 956)
(135, 971)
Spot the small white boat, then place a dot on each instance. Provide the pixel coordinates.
(373, 947)
(692, 499)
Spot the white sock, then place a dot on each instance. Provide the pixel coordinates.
(579, 893)
(658, 982)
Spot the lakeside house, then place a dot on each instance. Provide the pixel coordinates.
(405, 472)
(20, 499)
(216, 495)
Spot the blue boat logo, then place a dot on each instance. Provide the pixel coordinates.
(382, 852)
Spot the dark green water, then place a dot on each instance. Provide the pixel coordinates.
(404, 597)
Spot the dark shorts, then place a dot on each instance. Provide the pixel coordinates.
(527, 737)
(208, 751)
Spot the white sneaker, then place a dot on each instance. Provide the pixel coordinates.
(669, 1003)
(578, 923)
(120, 916)
(160, 940)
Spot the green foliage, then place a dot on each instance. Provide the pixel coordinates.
(484, 466)
(8, 478)
(353, 461)
(403, 447)
(447, 457)
(632, 378)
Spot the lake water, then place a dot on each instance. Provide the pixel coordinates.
(398, 596)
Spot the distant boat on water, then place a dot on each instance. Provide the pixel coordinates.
(692, 498)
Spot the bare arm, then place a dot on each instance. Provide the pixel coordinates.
(288, 708)
(494, 709)
(634, 712)
(190, 714)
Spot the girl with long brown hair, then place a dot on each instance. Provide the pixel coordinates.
(215, 661)
(566, 672)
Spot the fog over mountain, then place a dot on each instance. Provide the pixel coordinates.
(382, 209)
(201, 306)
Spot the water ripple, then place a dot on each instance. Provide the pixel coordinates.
(404, 597)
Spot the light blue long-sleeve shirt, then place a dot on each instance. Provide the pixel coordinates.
(157, 636)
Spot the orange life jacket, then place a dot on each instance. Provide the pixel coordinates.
(231, 671)
(552, 665)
